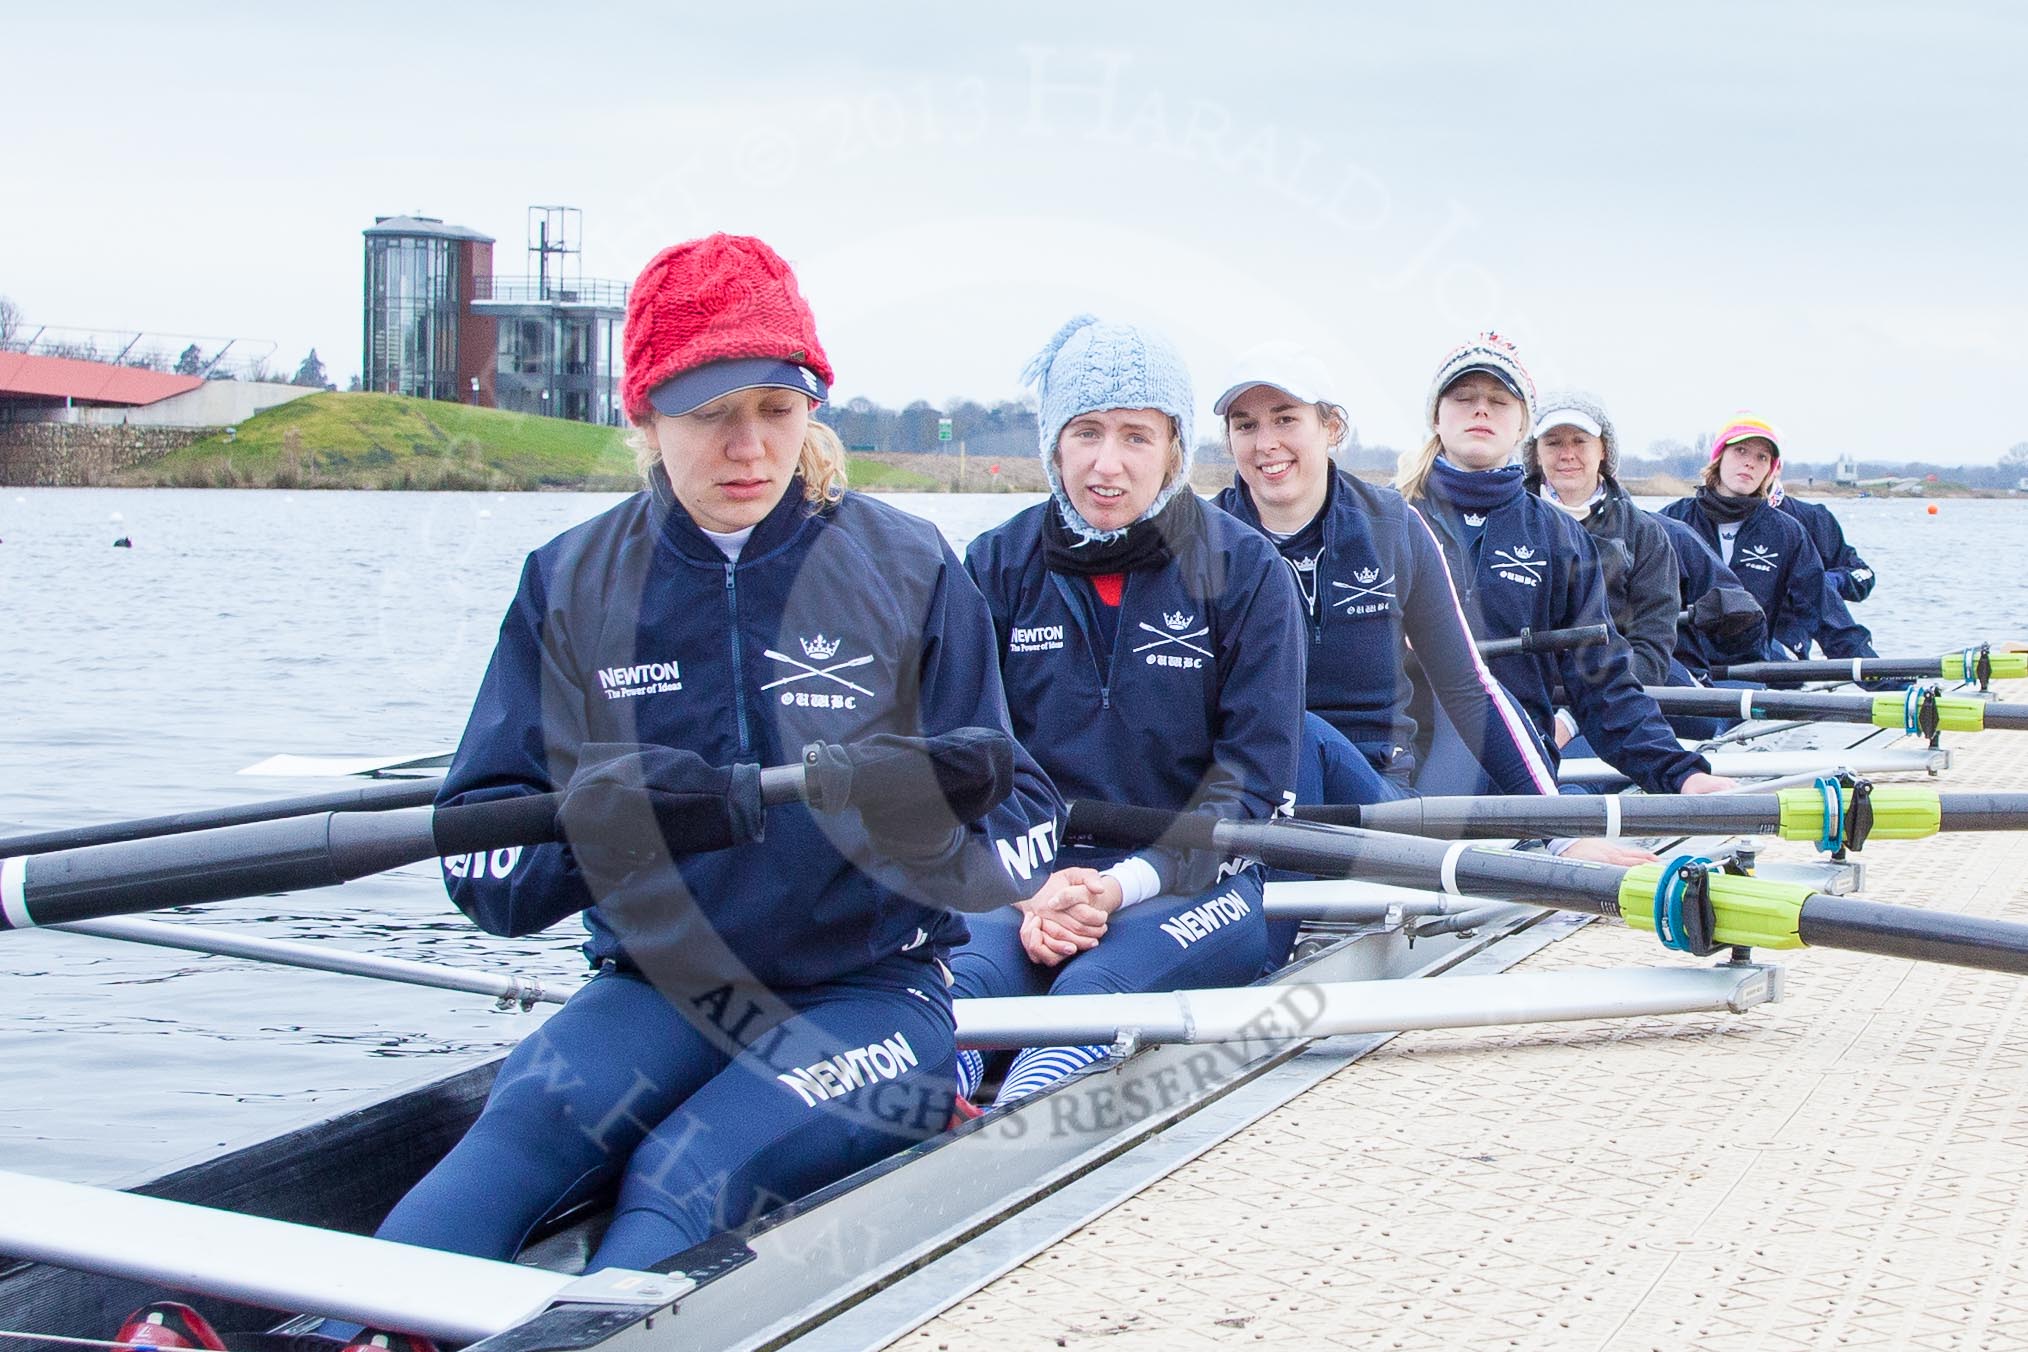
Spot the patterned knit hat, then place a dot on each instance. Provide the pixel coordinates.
(1742, 426)
(727, 303)
(1568, 407)
(1091, 366)
(1494, 355)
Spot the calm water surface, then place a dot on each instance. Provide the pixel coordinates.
(248, 623)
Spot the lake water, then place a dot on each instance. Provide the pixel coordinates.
(242, 624)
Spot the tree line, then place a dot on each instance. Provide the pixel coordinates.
(1001, 431)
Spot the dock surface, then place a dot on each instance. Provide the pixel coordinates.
(1842, 1169)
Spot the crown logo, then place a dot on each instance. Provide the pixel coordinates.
(1177, 621)
(1474, 519)
(1523, 552)
(820, 648)
(1308, 565)
(1366, 576)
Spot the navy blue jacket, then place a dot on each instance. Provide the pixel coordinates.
(1372, 581)
(1848, 574)
(1640, 575)
(1701, 573)
(1531, 566)
(1198, 702)
(1774, 558)
(833, 624)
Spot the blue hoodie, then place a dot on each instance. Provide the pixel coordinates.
(1848, 574)
(1527, 564)
(1701, 573)
(833, 624)
(1373, 581)
(1196, 702)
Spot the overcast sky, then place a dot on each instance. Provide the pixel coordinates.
(1816, 211)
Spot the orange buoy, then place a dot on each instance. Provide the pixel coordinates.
(1932, 509)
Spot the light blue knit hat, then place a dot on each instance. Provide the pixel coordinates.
(1090, 366)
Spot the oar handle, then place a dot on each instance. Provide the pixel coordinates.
(1124, 827)
(1546, 640)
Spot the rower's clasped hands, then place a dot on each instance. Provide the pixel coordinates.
(1068, 916)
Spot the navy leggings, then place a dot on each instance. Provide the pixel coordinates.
(1216, 938)
(622, 1084)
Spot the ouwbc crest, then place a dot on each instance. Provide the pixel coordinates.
(825, 693)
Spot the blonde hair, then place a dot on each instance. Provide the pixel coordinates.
(821, 461)
(1411, 471)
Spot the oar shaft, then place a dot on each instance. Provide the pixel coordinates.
(1963, 665)
(1954, 713)
(319, 957)
(1521, 817)
(1894, 811)
(371, 798)
(280, 856)
(1747, 911)
(1906, 932)
(1327, 851)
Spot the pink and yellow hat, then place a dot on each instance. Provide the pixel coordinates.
(1742, 426)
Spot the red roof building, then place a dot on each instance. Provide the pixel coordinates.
(30, 383)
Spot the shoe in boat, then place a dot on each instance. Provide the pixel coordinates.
(373, 1340)
(169, 1324)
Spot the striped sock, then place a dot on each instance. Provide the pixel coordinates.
(971, 1073)
(1039, 1067)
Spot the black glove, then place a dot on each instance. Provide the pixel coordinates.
(915, 794)
(630, 805)
(1725, 613)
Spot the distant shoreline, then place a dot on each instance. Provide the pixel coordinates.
(364, 441)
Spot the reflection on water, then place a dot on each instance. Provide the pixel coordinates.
(243, 624)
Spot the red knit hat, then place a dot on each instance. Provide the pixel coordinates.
(722, 298)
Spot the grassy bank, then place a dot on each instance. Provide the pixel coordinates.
(386, 441)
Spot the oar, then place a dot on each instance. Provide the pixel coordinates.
(1691, 907)
(372, 798)
(1920, 709)
(527, 992)
(1869, 760)
(504, 987)
(318, 767)
(335, 847)
(1835, 815)
(1979, 664)
(1545, 640)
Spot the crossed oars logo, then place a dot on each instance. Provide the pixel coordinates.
(1522, 557)
(819, 648)
(1176, 621)
(1370, 588)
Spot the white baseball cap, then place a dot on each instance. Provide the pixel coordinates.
(1288, 367)
(1568, 417)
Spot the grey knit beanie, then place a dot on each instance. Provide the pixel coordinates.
(1091, 366)
(1573, 401)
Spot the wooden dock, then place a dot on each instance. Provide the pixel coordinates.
(1842, 1169)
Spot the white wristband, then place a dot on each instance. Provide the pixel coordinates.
(1137, 879)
